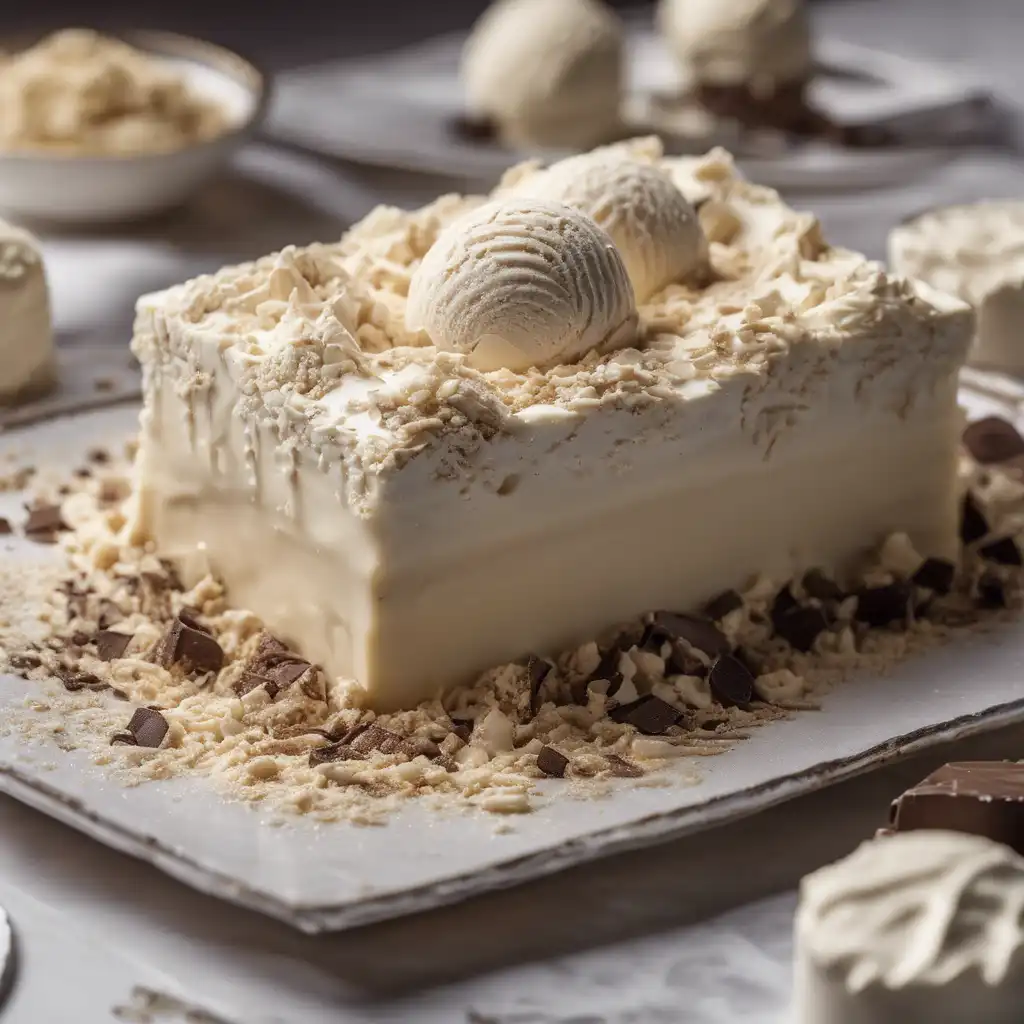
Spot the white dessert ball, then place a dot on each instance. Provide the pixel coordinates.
(547, 72)
(651, 222)
(523, 282)
(758, 43)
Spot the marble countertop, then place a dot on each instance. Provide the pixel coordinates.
(696, 931)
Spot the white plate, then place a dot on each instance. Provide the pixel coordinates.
(330, 877)
(396, 110)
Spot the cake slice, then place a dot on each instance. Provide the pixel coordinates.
(413, 468)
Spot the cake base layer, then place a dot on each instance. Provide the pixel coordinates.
(409, 614)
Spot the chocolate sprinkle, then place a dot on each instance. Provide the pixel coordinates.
(621, 768)
(146, 729)
(973, 525)
(44, 523)
(936, 574)
(800, 627)
(698, 632)
(111, 645)
(885, 605)
(650, 715)
(823, 588)
(731, 681)
(188, 644)
(1003, 551)
(724, 604)
(552, 762)
(993, 440)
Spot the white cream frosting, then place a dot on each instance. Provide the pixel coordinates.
(548, 72)
(26, 333)
(389, 485)
(651, 222)
(977, 253)
(760, 43)
(924, 925)
(523, 282)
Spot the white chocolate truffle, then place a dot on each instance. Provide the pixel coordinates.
(26, 332)
(522, 282)
(547, 72)
(975, 252)
(653, 224)
(759, 43)
(918, 926)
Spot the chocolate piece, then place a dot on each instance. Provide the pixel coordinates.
(1003, 551)
(334, 752)
(463, 728)
(982, 798)
(698, 632)
(188, 644)
(273, 667)
(25, 660)
(98, 455)
(147, 728)
(376, 737)
(5, 527)
(823, 588)
(608, 669)
(552, 763)
(731, 682)
(621, 768)
(800, 627)
(783, 604)
(111, 645)
(448, 763)
(726, 603)
(650, 715)
(993, 440)
(73, 680)
(537, 670)
(991, 591)
(44, 523)
(936, 574)
(973, 524)
(885, 605)
(474, 129)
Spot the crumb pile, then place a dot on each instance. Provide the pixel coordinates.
(213, 693)
(82, 93)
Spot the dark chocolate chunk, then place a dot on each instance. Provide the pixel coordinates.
(695, 630)
(274, 667)
(885, 605)
(750, 661)
(621, 768)
(973, 524)
(823, 588)
(991, 591)
(993, 440)
(783, 604)
(463, 728)
(147, 727)
(537, 670)
(1003, 551)
(73, 680)
(5, 527)
(111, 645)
(24, 660)
(552, 763)
(334, 752)
(449, 764)
(731, 681)
(190, 646)
(983, 798)
(724, 604)
(936, 574)
(44, 523)
(608, 670)
(376, 737)
(800, 627)
(474, 128)
(650, 715)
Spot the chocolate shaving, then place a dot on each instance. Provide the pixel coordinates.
(724, 604)
(274, 667)
(885, 605)
(650, 715)
(552, 762)
(973, 524)
(1003, 551)
(993, 440)
(731, 682)
(621, 768)
(376, 737)
(936, 574)
(44, 523)
(190, 645)
(73, 680)
(698, 632)
(111, 645)
(537, 671)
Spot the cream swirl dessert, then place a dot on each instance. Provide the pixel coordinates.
(520, 283)
(920, 926)
(419, 519)
(977, 253)
(651, 222)
(26, 333)
(546, 72)
(760, 44)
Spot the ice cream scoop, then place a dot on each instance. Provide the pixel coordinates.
(546, 72)
(757, 43)
(522, 282)
(653, 224)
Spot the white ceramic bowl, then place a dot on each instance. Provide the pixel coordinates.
(69, 189)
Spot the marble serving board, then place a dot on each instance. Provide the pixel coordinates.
(331, 877)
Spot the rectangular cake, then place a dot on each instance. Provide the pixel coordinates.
(408, 520)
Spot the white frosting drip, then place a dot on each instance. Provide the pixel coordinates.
(521, 282)
(653, 224)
